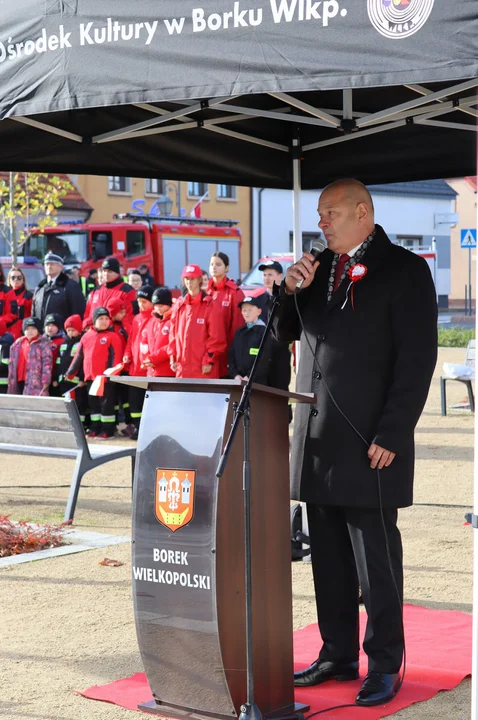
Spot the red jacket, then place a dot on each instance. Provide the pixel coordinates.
(197, 337)
(5, 303)
(20, 308)
(158, 339)
(226, 297)
(98, 350)
(122, 333)
(134, 349)
(55, 343)
(107, 291)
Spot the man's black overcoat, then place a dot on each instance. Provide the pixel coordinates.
(64, 297)
(377, 358)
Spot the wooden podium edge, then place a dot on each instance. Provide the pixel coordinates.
(198, 385)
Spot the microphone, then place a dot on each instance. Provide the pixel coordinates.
(318, 247)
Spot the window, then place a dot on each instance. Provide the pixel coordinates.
(196, 189)
(307, 240)
(226, 192)
(119, 184)
(412, 242)
(154, 186)
(102, 243)
(135, 242)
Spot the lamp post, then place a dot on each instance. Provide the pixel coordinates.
(176, 188)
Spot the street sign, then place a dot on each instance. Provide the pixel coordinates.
(468, 238)
(446, 219)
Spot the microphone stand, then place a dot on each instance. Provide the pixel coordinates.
(249, 710)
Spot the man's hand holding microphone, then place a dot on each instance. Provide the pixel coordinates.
(300, 274)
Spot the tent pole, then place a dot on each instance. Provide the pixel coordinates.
(474, 669)
(297, 235)
(297, 241)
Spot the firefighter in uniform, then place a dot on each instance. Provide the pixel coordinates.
(99, 349)
(113, 286)
(136, 350)
(20, 300)
(197, 337)
(226, 296)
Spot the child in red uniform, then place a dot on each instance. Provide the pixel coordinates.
(30, 368)
(100, 348)
(68, 350)
(197, 337)
(117, 309)
(136, 353)
(157, 360)
(226, 297)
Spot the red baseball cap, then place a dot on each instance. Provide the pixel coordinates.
(191, 271)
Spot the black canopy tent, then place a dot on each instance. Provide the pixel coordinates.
(227, 92)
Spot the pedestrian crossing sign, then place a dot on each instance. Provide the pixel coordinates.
(468, 238)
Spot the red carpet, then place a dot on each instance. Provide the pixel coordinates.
(438, 658)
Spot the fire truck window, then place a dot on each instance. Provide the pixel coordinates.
(102, 241)
(135, 242)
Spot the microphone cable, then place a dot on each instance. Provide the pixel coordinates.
(379, 487)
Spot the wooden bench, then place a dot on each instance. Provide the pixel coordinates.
(52, 427)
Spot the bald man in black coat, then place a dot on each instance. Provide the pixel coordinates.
(370, 317)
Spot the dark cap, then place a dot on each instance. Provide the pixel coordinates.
(271, 265)
(53, 319)
(99, 312)
(111, 263)
(32, 322)
(252, 301)
(162, 296)
(145, 292)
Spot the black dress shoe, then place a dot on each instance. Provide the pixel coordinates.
(378, 688)
(322, 670)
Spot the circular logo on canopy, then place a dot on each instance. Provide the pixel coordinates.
(398, 19)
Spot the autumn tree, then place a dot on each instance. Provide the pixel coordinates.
(33, 198)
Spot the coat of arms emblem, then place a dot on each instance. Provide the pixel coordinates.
(174, 497)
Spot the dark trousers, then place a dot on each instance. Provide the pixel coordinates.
(122, 401)
(136, 400)
(348, 550)
(103, 418)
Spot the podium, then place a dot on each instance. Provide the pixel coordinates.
(188, 549)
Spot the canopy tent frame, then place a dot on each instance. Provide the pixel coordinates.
(350, 125)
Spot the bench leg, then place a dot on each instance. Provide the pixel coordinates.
(443, 395)
(471, 397)
(133, 465)
(74, 488)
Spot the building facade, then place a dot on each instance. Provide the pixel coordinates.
(466, 208)
(410, 213)
(116, 194)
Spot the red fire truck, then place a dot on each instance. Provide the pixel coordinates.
(165, 244)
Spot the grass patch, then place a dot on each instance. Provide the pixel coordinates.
(454, 337)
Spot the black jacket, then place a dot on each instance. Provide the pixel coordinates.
(65, 357)
(377, 361)
(279, 371)
(243, 352)
(6, 341)
(64, 297)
